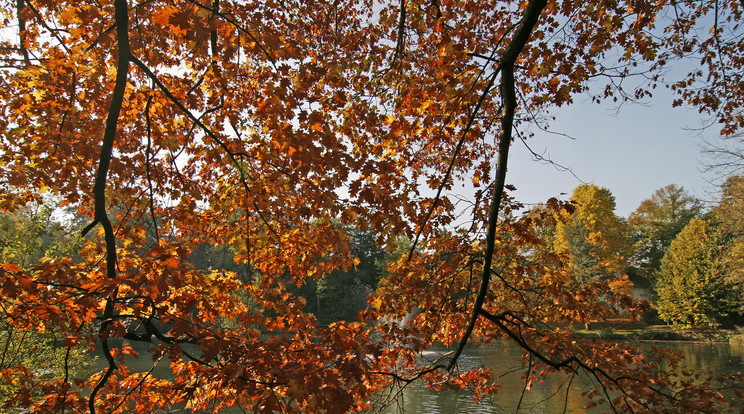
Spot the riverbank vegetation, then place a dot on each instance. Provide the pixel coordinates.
(287, 202)
(634, 330)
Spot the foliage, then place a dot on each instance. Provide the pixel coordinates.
(595, 239)
(729, 212)
(30, 234)
(29, 354)
(36, 357)
(656, 222)
(258, 126)
(691, 288)
(729, 215)
(341, 294)
(211, 257)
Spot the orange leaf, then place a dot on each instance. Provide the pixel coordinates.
(172, 262)
(162, 16)
(11, 267)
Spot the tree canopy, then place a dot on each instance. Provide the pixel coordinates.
(593, 236)
(691, 287)
(728, 214)
(657, 221)
(262, 125)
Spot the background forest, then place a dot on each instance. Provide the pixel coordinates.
(684, 257)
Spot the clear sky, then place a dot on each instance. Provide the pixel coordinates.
(632, 152)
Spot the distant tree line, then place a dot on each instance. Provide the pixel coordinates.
(688, 261)
(28, 236)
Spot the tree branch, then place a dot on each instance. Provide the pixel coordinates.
(509, 97)
(213, 33)
(99, 188)
(148, 159)
(400, 45)
(21, 30)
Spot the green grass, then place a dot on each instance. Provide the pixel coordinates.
(637, 330)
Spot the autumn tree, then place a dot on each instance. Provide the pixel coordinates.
(261, 125)
(728, 211)
(656, 222)
(691, 288)
(595, 239)
(728, 215)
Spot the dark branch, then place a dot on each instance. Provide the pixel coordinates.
(213, 33)
(148, 159)
(21, 31)
(400, 45)
(509, 97)
(99, 188)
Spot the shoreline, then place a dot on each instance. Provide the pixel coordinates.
(623, 329)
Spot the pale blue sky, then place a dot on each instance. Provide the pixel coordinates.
(632, 152)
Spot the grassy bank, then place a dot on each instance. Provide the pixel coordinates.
(637, 330)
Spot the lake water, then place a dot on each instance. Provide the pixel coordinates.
(551, 396)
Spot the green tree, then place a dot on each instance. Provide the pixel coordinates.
(31, 233)
(27, 236)
(211, 257)
(655, 223)
(342, 293)
(690, 287)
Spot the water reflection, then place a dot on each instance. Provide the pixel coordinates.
(554, 395)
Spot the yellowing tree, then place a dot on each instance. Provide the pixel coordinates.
(593, 236)
(691, 288)
(729, 214)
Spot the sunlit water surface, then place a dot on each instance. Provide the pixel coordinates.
(554, 395)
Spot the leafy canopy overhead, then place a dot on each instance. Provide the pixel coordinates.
(264, 125)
